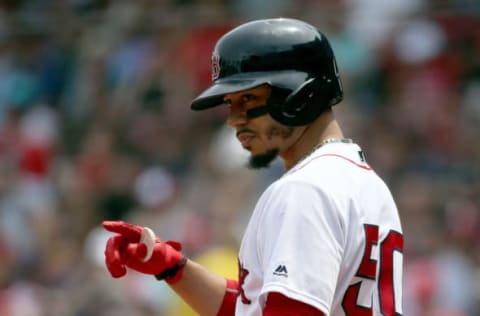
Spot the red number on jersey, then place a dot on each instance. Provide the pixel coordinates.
(393, 242)
(367, 270)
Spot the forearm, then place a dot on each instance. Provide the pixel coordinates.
(201, 289)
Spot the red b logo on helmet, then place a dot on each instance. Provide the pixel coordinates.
(215, 66)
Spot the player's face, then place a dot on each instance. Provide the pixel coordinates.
(262, 136)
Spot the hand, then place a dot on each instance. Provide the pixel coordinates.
(125, 249)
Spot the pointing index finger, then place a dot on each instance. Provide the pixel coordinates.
(131, 232)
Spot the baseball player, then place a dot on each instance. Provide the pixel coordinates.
(323, 239)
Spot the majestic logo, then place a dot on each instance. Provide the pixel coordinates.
(215, 66)
(281, 270)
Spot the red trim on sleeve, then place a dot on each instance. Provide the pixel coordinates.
(229, 299)
(280, 305)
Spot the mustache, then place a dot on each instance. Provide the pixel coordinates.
(244, 130)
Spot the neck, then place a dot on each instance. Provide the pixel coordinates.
(323, 128)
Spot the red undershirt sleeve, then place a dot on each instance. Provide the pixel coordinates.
(229, 299)
(280, 305)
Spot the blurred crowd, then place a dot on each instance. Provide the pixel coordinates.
(95, 124)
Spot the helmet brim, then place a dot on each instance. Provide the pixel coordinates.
(214, 95)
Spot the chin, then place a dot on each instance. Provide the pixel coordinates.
(263, 160)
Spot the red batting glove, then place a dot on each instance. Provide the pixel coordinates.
(125, 250)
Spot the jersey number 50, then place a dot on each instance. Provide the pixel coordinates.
(392, 243)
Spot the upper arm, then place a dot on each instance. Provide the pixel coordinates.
(301, 244)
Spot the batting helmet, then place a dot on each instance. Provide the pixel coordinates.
(293, 57)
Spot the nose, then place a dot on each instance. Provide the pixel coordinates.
(236, 117)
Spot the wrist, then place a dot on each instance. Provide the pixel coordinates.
(174, 274)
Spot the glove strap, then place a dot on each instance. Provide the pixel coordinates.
(172, 274)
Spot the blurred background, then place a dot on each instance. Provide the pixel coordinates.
(95, 124)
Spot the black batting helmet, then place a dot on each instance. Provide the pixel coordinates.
(292, 56)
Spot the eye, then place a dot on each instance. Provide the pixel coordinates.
(248, 97)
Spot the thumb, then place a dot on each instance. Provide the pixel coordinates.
(137, 251)
(135, 255)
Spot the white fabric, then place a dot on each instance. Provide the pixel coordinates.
(306, 236)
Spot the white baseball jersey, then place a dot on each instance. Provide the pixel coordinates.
(327, 233)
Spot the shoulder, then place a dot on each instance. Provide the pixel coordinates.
(298, 199)
(293, 186)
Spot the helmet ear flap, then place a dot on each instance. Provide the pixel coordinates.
(300, 106)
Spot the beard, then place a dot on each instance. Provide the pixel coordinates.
(263, 160)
